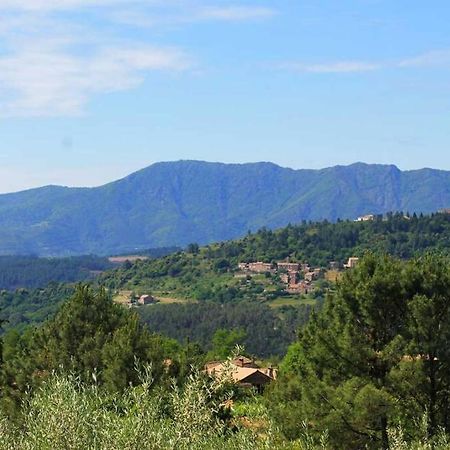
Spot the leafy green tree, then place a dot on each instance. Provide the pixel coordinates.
(224, 341)
(193, 248)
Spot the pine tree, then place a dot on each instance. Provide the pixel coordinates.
(376, 355)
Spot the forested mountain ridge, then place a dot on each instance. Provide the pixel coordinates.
(176, 203)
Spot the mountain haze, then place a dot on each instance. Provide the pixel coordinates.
(176, 203)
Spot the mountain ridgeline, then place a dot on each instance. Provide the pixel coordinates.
(176, 203)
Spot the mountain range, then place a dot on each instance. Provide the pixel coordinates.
(176, 203)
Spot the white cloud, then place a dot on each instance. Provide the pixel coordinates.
(47, 79)
(235, 13)
(438, 58)
(189, 14)
(50, 5)
(56, 55)
(429, 59)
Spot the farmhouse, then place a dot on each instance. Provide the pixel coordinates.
(352, 262)
(146, 300)
(299, 288)
(242, 371)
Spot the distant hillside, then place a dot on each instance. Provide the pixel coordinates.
(175, 203)
(32, 272)
(201, 290)
(214, 295)
(207, 273)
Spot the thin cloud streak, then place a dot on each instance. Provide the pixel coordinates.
(430, 59)
(333, 67)
(60, 5)
(437, 58)
(191, 15)
(235, 13)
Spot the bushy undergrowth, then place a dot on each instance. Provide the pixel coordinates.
(65, 414)
(398, 440)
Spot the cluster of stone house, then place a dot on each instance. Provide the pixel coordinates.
(365, 218)
(243, 371)
(256, 267)
(289, 272)
(297, 286)
(298, 278)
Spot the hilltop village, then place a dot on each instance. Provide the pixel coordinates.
(279, 282)
(297, 278)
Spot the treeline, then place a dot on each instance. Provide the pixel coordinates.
(157, 252)
(267, 332)
(319, 243)
(34, 272)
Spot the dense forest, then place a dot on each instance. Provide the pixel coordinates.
(375, 358)
(266, 332)
(26, 307)
(319, 243)
(33, 272)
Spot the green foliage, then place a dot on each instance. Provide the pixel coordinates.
(208, 275)
(90, 334)
(375, 357)
(27, 307)
(224, 341)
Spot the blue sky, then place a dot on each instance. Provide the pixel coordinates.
(91, 90)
